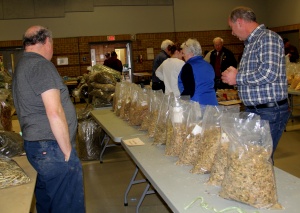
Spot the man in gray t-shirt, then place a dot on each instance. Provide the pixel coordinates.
(48, 124)
(36, 75)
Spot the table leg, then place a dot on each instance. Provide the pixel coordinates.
(132, 182)
(146, 192)
(105, 141)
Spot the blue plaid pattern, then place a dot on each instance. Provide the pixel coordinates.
(261, 74)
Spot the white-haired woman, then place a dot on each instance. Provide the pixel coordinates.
(196, 78)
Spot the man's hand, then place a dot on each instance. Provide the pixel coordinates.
(229, 76)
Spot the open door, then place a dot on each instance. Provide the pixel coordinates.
(122, 48)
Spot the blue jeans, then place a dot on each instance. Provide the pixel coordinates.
(59, 185)
(278, 117)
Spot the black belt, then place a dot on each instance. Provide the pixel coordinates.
(268, 105)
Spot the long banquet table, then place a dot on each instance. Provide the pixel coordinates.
(177, 186)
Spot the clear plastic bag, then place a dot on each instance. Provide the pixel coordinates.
(178, 116)
(156, 103)
(11, 174)
(160, 134)
(295, 81)
(85, 112)
(126, 102)
(249, 177)
(102, 77)
(154, 96)
(220, 161)
(114, 73)
(90, 135)
(116, 97)
(104, 87)
(134, 102)
(11, 144)
(194, 129)
(101, 98)
(141, 107)
(211, 137)
(5, 115)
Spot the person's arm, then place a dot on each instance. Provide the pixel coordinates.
(57, 120)
(159, 72)
(188, 81)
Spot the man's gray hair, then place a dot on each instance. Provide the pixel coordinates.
(244, 13)
(192, 46)
(218, 39)
(166, 43)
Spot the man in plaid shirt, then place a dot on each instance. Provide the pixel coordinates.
(261, 76)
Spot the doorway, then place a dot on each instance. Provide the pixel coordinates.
(122, 48)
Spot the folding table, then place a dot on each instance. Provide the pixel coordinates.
(114, 127)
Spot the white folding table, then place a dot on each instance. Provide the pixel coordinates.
(175, 184)
(114, 127)
(178, 187)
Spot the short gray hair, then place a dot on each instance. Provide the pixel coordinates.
(165, 44)
(193, 46)
(244, 13)
(218, 39)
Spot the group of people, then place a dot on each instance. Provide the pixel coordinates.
(181, 69)
(260, 78)
(48, 117)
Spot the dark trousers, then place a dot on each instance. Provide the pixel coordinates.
(158, 86)
(277, 117)
(59, 185)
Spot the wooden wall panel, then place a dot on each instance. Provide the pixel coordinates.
(49, 8)
(160, 2)
(79, 5)
(16, 9)
(107, 2)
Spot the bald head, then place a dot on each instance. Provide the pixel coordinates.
(38, 39)
(35, 35)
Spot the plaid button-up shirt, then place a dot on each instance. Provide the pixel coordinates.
(261, 74)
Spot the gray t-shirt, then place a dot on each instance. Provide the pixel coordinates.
(34, 75)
